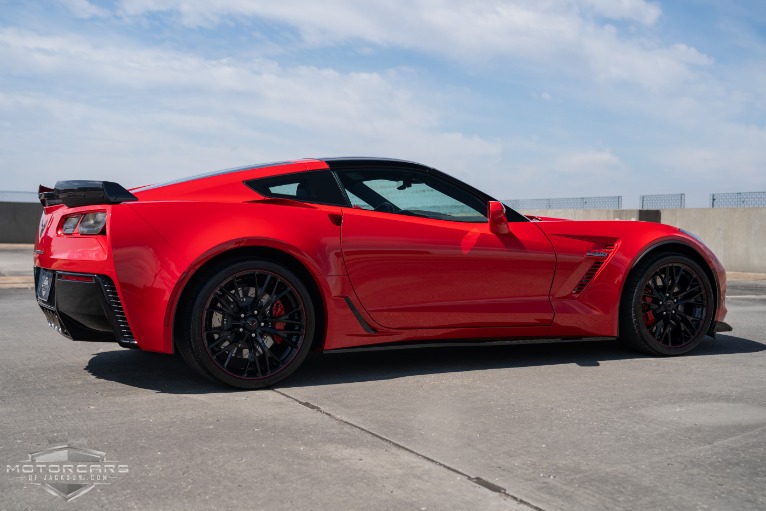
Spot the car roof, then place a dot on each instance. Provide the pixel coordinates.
(227, 184)
(356, 161)
(333, 163)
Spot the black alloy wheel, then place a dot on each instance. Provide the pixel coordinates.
(668, 306)
(252, 325)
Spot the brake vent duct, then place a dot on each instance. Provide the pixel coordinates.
(125, 334)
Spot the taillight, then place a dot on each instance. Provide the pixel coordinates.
(92, 223)
(70, 224)
(87, 223)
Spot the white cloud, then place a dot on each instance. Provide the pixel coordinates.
(138, 107)
(632, 10)
(730, 158)
(84, 9)
(574, 35)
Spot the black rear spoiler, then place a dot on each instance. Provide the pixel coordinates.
(84, 193)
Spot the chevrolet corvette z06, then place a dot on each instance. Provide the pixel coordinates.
(243, 271)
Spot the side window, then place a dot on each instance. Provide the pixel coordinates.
(317, 186)
(410, 192)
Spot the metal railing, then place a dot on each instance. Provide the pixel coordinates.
(611, 202)
(658, 201)
(738, 200)
(663, 201)
(18, 196)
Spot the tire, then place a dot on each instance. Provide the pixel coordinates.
(667, 306)
(249, 324)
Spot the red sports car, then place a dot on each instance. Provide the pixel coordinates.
(244, 271)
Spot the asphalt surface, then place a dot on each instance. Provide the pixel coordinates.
(575, 426)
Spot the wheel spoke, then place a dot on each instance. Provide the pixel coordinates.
(239, 290)
(282, 335)
(287, 321)
(226, 349)
(224, 305)
(232, 297)
(219, 340)
(264, 349)
(231, 354)
(690, 319)
(686, 325)
(262, 290)
(274, 299)
(654, 290)
(288, 314)
(693, 300)
(220, 311)
(666, 331)
(267, 351)
(694, 291)
(253, 357)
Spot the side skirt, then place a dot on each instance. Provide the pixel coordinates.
(460, 343)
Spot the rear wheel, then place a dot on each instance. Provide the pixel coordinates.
(667, 307)
(250, 326)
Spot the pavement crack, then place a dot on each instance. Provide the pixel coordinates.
(475, 480)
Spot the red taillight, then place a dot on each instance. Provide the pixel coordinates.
(75, 278)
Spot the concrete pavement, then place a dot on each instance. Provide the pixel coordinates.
(555, 427)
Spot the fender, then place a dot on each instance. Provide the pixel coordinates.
(701, 250)
(319, 278)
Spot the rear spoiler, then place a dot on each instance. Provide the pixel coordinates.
(84, 193)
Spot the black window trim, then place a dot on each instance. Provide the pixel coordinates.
(511, 214)
(341, 191)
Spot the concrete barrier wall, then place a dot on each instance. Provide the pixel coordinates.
(736, 235)
(19, 221)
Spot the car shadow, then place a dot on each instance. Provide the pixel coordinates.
(169, 374)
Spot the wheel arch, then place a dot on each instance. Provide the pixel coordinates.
(668, 247)
(250, 252)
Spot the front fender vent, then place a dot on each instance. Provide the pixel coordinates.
(585, 280)
(599, 254)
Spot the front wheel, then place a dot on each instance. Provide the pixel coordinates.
(250, 326)
(667, 307)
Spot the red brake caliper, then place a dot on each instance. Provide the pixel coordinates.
(278, 310)
(649, 319)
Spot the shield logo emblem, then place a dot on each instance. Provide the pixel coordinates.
(66, 455)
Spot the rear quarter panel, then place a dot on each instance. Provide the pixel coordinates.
(157, 246)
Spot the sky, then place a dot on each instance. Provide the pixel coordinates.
(522, 99)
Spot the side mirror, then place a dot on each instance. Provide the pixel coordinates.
(498, 224)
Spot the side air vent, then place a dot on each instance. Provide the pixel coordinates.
(126, 338)
(585, 280)
(598, 255)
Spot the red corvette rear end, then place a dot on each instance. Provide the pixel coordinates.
(74, 269)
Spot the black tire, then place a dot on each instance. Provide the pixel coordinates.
(667, 306)
(248, 324)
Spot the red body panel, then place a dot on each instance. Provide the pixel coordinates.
(406, 278)
(420, 273)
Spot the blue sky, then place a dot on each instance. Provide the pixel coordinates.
(524, 99)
